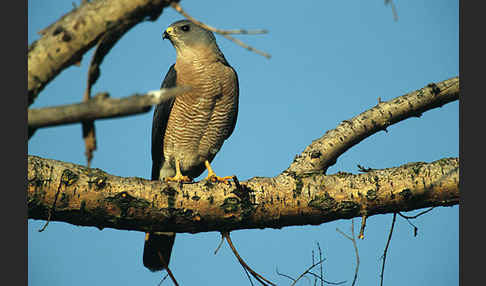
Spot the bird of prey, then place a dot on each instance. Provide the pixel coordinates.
(189, 129)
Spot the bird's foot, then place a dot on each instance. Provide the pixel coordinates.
(179, 178)
(212, 175)
(213, 178)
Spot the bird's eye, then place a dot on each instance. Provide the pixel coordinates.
(185, 28)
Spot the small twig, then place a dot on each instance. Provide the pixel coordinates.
(345, 235)
(219, 245)
(307, 271)
(320, 258)
(364, 170)
(179, 9)
(325, 281)
(47, 222)
(165, 277)
(248, 275)
(224, 33)
(237, 183)
(315, 278)
(257, 276)
(250, 48)
(52, 207)
(353, 240)
(415, 228)
(394, 10)
(363, 225)
(386, 248)
(169, 272)
(88, 127)
(417, 215)
(408, 218)
(284, 275)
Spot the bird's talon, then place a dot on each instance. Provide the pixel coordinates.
(214, 179)
(180, 178)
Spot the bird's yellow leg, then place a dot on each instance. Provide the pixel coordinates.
(178, 176)
(212, 176)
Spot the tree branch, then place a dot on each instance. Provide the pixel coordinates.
(353, 240)
(323, 152)
(91, 197)
(386, 248)
(300, 195)
(99, 107)
(64, 42)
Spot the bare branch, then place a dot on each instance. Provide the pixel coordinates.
(325, 281)
(219, 245)
(408, 218)
(321, 275)
(363, 225)
(64, 42)
(245, 266)
(248, 276)
(394, 9)
(285, 275)
(417, 215)
(353, 240)
(363, 169)
(415, 228)
(89, 136)
(179, 9)
(92, 197)
(386, 248)
(320, 266)
(307, 271)
(224, 33)
(163, 279)
(323, 152)
(169, 272)
(250, 48)
(99, 107)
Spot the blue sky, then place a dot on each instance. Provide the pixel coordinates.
(331, 60)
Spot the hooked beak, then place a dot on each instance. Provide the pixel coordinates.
(167, 33)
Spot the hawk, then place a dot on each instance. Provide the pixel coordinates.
(189, 129)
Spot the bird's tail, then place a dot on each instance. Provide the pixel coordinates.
(157, 250)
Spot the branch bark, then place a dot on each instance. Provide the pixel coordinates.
(323, 152)
(300, 195)
(99, 107)
(64, 42)
(91, 197)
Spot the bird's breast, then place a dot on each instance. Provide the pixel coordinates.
(200, 119)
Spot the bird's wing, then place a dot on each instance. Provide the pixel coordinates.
(235, 115)
(159, 124)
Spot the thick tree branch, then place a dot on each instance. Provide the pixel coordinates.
(323, 152)
(91, 197)
(99, 107)
(300, 195)
(64, 42)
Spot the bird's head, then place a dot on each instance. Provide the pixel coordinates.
(189, 38)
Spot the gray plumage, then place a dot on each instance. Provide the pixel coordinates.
(190, 129)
